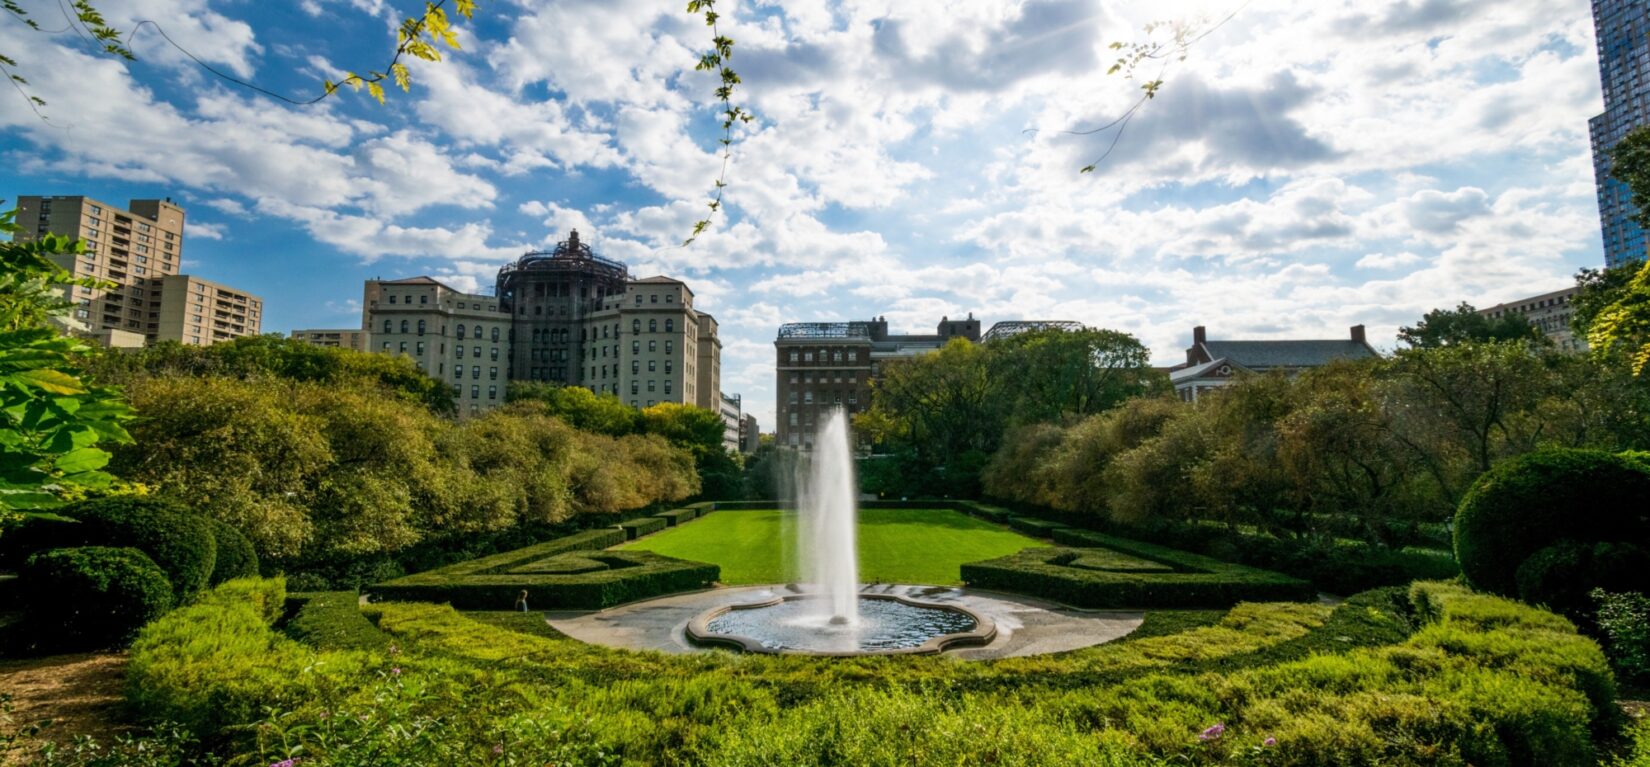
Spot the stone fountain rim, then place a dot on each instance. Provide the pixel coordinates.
(984, 631)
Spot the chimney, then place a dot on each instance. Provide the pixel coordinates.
(1358, 334)
(1199, 335)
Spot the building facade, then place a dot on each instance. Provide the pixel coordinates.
(1212, 364)
(1549, 312)
(566, 316)
(336, 338)
(750, 435)
(1623, 33)
(732, 410)
(198, 312)
(139, 249)
(821, 366)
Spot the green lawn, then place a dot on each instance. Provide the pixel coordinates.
(895, 545)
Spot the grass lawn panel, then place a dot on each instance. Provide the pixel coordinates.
(925, 546)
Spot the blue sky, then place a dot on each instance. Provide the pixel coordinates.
(1309, 166)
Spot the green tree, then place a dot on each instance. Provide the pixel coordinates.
(54, 424)
(579, 407)
(1622, 328)
(1463, 324)
(1052, 375)
(1598, 288)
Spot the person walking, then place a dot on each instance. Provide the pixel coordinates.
(521, 601)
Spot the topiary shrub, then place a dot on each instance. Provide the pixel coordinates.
(1562, 575)
(235, 556)
(178, 540)
(93, 596)
(1525, 504)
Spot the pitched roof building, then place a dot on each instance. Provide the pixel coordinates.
(1213, 364)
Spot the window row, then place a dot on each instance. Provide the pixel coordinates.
(852, 355)
(475, 352)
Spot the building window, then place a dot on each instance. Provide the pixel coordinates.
(667, 386)
(635, 347)
(670, 298)
(403, 348)
(392, 298)
(461, 331)
(386, 346)
(636, 326)
(388, 327)
(809, 357)
(670, 326)
(475, 372)
(478, 333)
(421, 327)
(667, 366)
(634, 387)
(652, 326)
(650, 383)
(793, 398)
(793, 356)
(653, 299)
(807, 398)
(494, 352)
(460, 351)
(793, 423)
(492, 392)
(653, 346)
(638, 303)
(651, 366)
(420, 348)
(635, 366)
(670, 346)
(476, 351)
(475, 392)
(492, 374)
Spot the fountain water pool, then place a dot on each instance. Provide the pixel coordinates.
(830, 616)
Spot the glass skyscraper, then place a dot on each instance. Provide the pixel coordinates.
(1623, 30)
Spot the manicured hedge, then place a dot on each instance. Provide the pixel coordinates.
(332, 620)
(986, 511)
(1067, 575)
(637, 528)
(1040, 528)
(676, 517)
(1528, 503)
(568, 574)
(92, 597)
(236, 556)
(177, 539)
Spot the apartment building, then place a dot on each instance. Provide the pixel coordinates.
(825, 365)
(139, 249)
(336, 338)
(565, 316)
(199, 312)
(125, 246)
(1549, 312)
(732, 410)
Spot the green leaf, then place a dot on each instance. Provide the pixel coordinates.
(54, 381)
(81, 460)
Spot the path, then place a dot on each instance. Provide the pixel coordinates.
(80, 694)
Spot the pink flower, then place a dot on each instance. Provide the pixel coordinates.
(498, 749)
(395, 671)
(1213, 733)
(1269, 742)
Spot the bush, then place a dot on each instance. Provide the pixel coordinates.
(676, 517)
(1624, 619)
(1094, 577)
(1527, 503)
(1560, 577)
(637, 528)
(179, 541)
(265, 596)
(332, 620)
(236, 557)
(93, 596)
(1040, 528)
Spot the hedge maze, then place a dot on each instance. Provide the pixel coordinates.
(571, 573)
(1099, 571)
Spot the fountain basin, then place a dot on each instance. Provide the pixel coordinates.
(886, 625)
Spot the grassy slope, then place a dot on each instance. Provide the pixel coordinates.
(895, 545)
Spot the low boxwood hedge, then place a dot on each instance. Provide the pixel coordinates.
(637, 528)
(570, 573)
(1040, 528)
(332, 620)
(676, 517)
(986, 511)
(1072, 574)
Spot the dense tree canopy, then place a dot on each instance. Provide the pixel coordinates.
(1463, 324)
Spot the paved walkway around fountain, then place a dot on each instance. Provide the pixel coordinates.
(1025, 626)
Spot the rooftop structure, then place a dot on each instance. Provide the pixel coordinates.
(1013, 328)
(1213, 364)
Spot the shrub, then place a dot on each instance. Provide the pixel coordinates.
(1096, 577)
(332, 620)
(1624, 619)
(676, 517)
(637, 528)
(1524, 504)
(236, 557)
(1040, 528)
(266, 596)
(1561, 576)
(93, 596)
(179, 541)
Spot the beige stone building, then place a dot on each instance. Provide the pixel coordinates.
(336, 338)
(457, 337)
(1549, 312)
(199, 312)
(139, 249)
(565, 316)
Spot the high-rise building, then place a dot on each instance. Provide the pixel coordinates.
(337, 338)
(127, 247)
(139, 249)
(1549, 312)
(821, 366)
(1623, 32)
(566, 316)
(199, 312)
(733, 420)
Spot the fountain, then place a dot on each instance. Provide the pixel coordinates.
(827, 614)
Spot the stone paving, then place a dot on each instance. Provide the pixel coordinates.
(1025, 626)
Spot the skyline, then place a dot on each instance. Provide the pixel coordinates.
(1305, 170)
